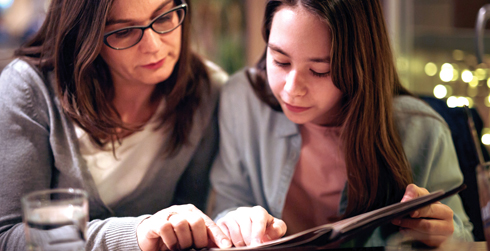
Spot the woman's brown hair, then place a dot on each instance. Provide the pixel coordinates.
(362, 68)
(68, 43)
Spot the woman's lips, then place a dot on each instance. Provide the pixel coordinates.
(296, 109)
(154, 66)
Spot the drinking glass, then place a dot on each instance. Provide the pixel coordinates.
(55, 219)
(483, 178)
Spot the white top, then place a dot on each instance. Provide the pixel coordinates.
(117, 176)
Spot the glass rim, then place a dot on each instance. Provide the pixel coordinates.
(74, 191)
(182, 6)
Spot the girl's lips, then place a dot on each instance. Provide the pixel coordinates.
(296, 109)
(154, 66)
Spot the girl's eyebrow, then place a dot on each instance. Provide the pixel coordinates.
(120, 21)
(277, 49)
(314, 59)
(320, 60)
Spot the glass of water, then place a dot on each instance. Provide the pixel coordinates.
(55, 219)
(483, 179)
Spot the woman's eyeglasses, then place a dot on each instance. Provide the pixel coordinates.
(124, 38)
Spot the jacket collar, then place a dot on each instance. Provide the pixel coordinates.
(282, 126)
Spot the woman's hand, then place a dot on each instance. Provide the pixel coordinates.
(431, 225)
(250, 226)
(180, 227)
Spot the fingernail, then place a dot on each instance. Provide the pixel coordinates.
(225, 243)
(396, 222)
(415, 214)
(268, 237)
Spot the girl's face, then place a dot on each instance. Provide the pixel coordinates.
(298, 67)
(150, 61)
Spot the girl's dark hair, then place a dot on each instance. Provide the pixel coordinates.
(362, 68)
(68, 44)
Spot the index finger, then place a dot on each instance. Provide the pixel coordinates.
(260, 220)
(214, 232)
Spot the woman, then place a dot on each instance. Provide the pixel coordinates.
(109, 97)
(321, 129)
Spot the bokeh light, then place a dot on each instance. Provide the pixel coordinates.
(480, 73)
(430, 69)
(458, 55)
(474, 82)
(466, 76)
(485, 139)
(447, 72)
(454, 101)
(440, 91)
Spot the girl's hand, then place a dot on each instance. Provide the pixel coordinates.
(251, 226)
(431, 225)
(180, 227)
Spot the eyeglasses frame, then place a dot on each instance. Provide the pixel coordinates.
(150, 25)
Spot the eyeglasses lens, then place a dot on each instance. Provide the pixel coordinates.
(169, 21)
(126, 38)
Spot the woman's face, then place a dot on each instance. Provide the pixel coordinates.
(150, 61)
(298, 67)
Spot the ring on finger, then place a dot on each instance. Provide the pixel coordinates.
(170, 215)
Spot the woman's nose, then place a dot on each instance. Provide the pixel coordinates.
(150, 42)
(294, 85)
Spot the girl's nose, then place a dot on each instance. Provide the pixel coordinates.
(294, 85)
